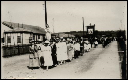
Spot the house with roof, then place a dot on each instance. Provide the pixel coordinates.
(3, 29)
(35, 33)
(17, 38)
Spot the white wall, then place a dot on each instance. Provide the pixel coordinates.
(26, 38)
(13, 38)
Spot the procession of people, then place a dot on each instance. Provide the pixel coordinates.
(54, 52)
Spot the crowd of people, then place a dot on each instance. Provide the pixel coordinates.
(106, 40)
(55, 52)
(58, 51)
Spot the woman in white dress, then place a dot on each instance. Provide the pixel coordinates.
(59, 52)
(69, 51)
(46, 50)
(64, 50)
(72, 49)
(40, 53)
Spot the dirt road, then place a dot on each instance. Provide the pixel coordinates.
(98, 63)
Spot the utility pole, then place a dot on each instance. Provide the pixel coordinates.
(45, 15)
(48, 32)
(83, 34)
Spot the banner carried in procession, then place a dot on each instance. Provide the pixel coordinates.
(91, 29)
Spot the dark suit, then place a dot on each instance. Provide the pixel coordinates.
(54, 57)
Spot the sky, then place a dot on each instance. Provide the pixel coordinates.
(67, 15)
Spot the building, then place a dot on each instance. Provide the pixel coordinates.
(4, 28)
(17, 36)
(64, 35)
(17, 39)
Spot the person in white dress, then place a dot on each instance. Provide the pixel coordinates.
(70, 50)
(59, 52)
(40, 53)
(96, 43)
(64, 50)
(87, 46)
(46, 51)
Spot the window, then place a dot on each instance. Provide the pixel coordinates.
(3, 40)
(38, 36)
(8, 39)
(33, 37)
(18, 39)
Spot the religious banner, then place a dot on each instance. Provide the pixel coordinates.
(91, 29)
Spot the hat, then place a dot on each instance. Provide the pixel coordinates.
(61, 37)
(31, 41)
(46, 42)
(64, 40)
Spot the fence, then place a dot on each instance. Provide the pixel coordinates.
(15, 50)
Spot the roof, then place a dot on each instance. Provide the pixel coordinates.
(18, 30)
(29, 28)
(3, 29)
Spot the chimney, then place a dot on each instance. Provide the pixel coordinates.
(90, 24)
(94, 24)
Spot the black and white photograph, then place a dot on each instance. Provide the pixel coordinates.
(63, 39)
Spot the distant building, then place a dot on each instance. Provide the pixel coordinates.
(64, 35)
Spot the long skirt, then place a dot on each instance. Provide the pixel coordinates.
(59, 54)
(41, 58)
(70, 54)
(54, 58)
(33, 61)
(47, 58)
(64, 55)
(76, 54)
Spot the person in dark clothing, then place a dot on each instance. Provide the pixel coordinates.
(81, 48)
(54, 57)
(77, 50)
(103, 42)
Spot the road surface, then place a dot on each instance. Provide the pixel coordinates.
(99, 63)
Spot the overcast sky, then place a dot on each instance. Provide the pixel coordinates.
(106, 15)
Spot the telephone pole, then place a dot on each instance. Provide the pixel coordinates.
(45, 15)
(83, 34)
